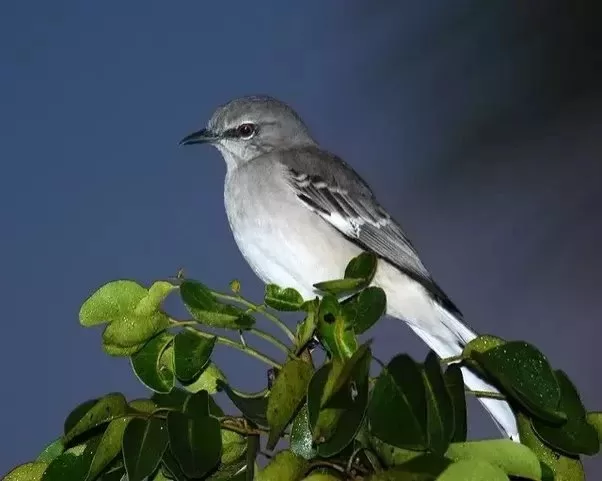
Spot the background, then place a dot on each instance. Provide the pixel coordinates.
(478, 124)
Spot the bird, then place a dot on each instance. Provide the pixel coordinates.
(299, 213)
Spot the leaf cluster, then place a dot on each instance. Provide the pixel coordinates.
(341, 420)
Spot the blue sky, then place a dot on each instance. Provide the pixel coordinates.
(491, 163)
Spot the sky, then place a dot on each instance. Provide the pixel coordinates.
(478, 127)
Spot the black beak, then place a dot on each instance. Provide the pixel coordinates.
(202, 136)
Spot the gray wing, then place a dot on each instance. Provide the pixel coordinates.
(333, 190)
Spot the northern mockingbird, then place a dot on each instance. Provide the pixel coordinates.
(299, 214)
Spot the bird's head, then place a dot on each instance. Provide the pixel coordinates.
(248, 127)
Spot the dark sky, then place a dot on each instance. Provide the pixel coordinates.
(479, 127)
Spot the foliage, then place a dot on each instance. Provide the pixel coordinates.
(337, 422)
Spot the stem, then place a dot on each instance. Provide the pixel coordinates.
(268, 337)
(257, 308)
(487, 394)
(227, 342)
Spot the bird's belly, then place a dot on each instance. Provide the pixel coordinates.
(280, 251)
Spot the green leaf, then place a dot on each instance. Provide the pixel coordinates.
(335, 335)
(144, 442)
(317, 476)
(482, 344)
(525, 374)
(286, 396)
(348, 372)
(234, 446)
(196, 442)
(151, 303)
(391, 455)
(72, 464)
(397, 408)
(335, 423)
(362, 267)
(513, 458)
(115, 471)
(147, 367)
(108, 447)
(285, 465)
(111, 302)
(473, 470)
(104, 410)
(307, 327)
(562, 468)
(51, 451)
(119, 351)
(576, 436)
(283, 299)
(440, 411)
(172, 467)
(77, 414)
(424, 467)
(204, 308)
(27, 472)
(132, 329)
(175, 399)
(340, 286)
(207, 380)
(365, 308)
(253, 406)
(192, 353)
(301, 442)
(146, 406)
(454, 382)
(595, 419)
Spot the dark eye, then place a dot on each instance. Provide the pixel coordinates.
(246, 131)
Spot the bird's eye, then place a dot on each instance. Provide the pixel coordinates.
(246, 131)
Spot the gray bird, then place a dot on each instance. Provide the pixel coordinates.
(299, 214)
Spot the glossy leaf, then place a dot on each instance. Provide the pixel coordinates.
(340, 286)
(131, 330)
(234, 446)
(104, 410)
(316, 476)
(285, 465)
(555, 466)
(111, 302)
(72, 464)
(337, 338)
(454, 382)
(191, 354)
(595, 419)
(108, 447)
(147, 367)
(157, 293)
(51, 451)
(27, 472)
(513, 458)
(114, 472)
(286, 397)
(77, 414)
(176, 399)
(307, 327)
(362, 266)
(336, 423)
(203, 307)
(347, 374)
(195, 441)
(391, 455)
(207, 380)
(397, 408)
(143, 405)
(440, 411)
(474, 469)
(120, 351)
(576, 436)
(301, 442)
(144, 442)
(253, 406)
(287, 299)
(364, 309)
(525, 375)
(170, 464)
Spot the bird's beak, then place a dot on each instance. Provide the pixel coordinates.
(202, 136)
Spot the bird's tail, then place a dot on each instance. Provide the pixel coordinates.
(447, 340)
